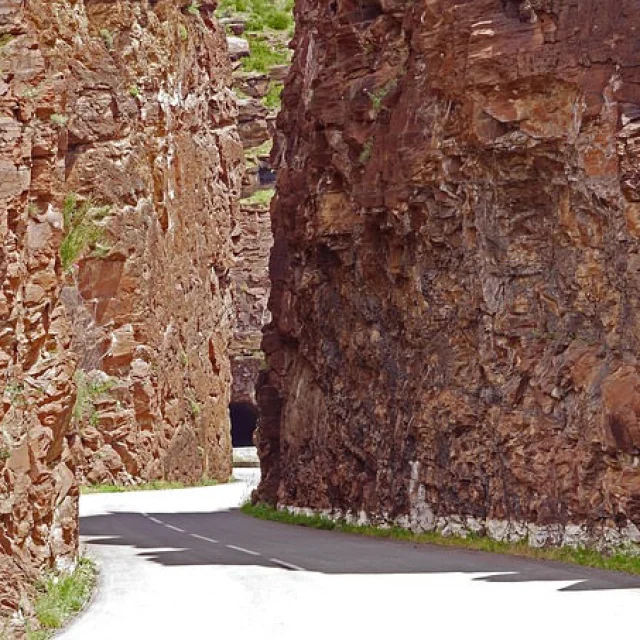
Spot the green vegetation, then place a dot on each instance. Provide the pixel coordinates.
(58, 119)
(263, 55)
(61, 596)
(263, 197)
(380, 94)
(87, 392)
(259, 14)
(155, 485)
(365, 154)
(194, 8)
(263, 150)
(619, 561)
(272, 99)
(107, 38)
(5, 39)
(80, 228)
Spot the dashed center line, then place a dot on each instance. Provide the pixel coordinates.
(277, 561)
(197, 535)
(242, 549)
(286, 565)
(170, 526)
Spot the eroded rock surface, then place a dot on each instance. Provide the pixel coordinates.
(456, 269)
(120, 292)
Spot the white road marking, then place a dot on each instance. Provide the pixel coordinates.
(242, 549)
(195, 535)
(170, 526)
(287, 565)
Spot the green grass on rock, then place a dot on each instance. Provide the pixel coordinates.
(619, 561)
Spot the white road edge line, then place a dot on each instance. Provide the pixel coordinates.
(242, 549)
(195, 535)
(287, 565)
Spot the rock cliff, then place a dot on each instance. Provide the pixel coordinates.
(120, 170)
(456, 271)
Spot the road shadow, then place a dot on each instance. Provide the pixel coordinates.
(177, 539)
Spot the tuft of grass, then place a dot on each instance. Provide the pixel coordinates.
(617, 561)
(272, 99)
(59, 120)
(155, 485)
(5, 39)
(194, 8)
(263, 55)
(263, 150)
(81, 231)
(61, 596)
(264, 197)
(107, 38)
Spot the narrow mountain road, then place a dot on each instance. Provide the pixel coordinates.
(187, 564)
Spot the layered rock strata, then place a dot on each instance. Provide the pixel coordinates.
(456, 271)
(120, 167)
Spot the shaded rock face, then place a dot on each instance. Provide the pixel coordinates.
(115, 307)
(455, 275)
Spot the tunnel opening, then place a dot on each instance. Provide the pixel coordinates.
(244, 418)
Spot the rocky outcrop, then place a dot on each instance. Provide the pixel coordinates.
(150, 111)
(258, 98)
(120, 168)
(455, 278)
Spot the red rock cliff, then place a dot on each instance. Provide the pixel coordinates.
(120, 166)
(456, 271)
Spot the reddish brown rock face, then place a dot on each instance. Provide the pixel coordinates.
(126, 105)
(456, 270)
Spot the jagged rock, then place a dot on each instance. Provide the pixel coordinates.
(455, 270)
(238, 47)
(127, 105)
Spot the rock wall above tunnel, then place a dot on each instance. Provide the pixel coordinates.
(456, 271)
(120, 171)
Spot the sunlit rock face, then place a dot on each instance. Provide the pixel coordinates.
(120, 169)
(456, 272)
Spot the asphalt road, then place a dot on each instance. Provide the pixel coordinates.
(187, 564)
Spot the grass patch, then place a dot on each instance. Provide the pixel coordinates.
(586, 557)
(264, 197)
(61, 596)
(259, 14)
(272, 99)
(263, 150)
(81, 231)
(263, 55)
(155, 485)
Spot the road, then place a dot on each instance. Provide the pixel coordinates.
(187, 564)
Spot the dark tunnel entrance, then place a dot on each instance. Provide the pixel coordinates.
(244, 417)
